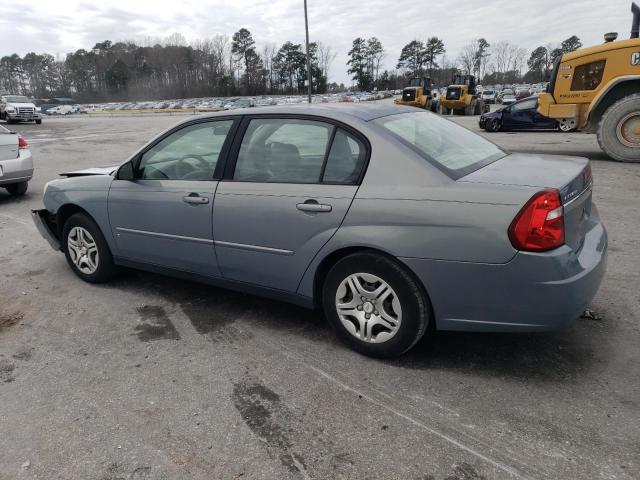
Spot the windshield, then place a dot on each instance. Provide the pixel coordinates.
(450, 147)
(17, 99)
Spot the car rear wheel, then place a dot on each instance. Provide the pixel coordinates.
(17, 189)
(375, 305)
(567, 125)
(86, 249)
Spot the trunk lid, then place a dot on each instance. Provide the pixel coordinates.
(8, 144)
(571, 176)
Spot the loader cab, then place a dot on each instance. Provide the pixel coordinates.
(468, 80)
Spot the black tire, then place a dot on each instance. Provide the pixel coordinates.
(38, 122)
(17, 189)
(415, 306)
(493, 125)
(607, 134)
(106, 269)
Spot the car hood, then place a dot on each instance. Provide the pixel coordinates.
(91, 171)
(494, 114)
(15, 104)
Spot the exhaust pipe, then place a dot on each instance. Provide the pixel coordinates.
(635, 25)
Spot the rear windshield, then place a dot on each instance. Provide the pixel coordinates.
(450, 147)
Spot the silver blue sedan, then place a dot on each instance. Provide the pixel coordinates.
(394, 221)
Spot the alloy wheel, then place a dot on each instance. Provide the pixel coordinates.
(368, 308)
(83, 250)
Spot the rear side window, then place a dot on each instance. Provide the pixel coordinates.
(450, 147)
(345, 160)
(588, 77)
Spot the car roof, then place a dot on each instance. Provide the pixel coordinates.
(360, 111)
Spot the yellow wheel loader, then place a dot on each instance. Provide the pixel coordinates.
(417, 94)
(461, 97)
(597, 90)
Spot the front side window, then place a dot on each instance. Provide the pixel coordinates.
(445, 144)
(191, 153)
(588, 77)
(283, 150)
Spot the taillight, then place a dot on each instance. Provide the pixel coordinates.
(539, 226)
(22, 143)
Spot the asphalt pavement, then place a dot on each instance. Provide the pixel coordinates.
(150, 377)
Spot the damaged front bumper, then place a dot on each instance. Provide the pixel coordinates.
(41, 219)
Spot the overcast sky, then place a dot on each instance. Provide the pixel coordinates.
(61, 26)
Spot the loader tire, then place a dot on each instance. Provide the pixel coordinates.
(619, 130)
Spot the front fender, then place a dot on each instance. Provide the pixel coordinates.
(88, 193)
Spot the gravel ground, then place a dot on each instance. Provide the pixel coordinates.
(155, 378)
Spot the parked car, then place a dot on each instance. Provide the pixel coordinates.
(60, 110)
(489, 96)
(507, 98)
(392, 219)
(16, 164)
(502, 93)
(18, 108)
(522, 115)
(522, 93)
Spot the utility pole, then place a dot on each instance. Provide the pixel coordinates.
(306, 27)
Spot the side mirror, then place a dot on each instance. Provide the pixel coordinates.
(126, 172)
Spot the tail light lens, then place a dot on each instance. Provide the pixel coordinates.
(539, 226)
(22, 143)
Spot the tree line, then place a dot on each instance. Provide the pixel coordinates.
(227, 66)
(501, 63)
(218, 66)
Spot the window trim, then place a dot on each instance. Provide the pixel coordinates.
(232, 157)
(224, 152)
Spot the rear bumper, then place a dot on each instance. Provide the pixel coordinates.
(40, 218)
(16, 169)
(533, 292)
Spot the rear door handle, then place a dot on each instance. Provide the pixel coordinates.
(195, 199)
(313, 206)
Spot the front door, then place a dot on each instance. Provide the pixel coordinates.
(521, 114)
(292, 185)
(163, 217)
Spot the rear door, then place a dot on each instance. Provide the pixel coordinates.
(291, 186)
(163, 216)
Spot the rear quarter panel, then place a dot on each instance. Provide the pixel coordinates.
(407, 208)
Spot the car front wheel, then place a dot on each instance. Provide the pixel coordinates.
(375, 305)
(86, 249)
(493, 125)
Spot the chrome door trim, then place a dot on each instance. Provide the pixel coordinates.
(164, 235)
(254, 248)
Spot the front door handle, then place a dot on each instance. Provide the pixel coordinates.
(195, 199)
(313, 206)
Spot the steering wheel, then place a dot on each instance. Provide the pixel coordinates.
(183, 168)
